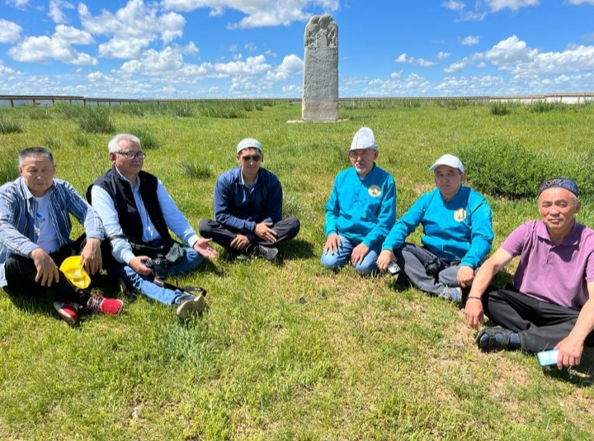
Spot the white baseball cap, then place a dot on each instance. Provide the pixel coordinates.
(450, 161)
(249, 143)
(363, 139)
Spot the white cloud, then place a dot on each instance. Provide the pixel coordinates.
(252, 65)
(457, 65)
(6, 71)
(510, 52)
(55, 10)
(258, 13)
(19, 4)
(402, 58)
(453, 5)
(291, 64)
(10, 32)
(581, 2)
(133, 28)
(470, 40)
(444, 55)
(58, 47)
(514, 5)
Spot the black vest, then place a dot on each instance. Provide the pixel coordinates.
(123, 199)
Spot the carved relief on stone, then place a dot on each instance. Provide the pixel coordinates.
(321, 31)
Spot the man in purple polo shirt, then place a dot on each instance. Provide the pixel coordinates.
(551, 303)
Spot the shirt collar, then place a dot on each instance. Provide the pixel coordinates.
(572, 238)
(242, 182)
(27, 192)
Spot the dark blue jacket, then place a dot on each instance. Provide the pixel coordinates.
(239, 208)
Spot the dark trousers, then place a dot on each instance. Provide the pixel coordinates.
(285, 229)
(540, 325)
(21, 272)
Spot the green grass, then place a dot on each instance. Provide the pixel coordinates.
(289, 351)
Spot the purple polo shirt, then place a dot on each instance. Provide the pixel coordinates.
(553, 273)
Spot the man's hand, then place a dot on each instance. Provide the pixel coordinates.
(473, 312)
(137, 264)
(570, 352)
(264, 231)
(202, 247)
(359, 253)
(465, 276)
(91, 256)
(47, 270)
(240, 242)
(333, 242)
(384, 259)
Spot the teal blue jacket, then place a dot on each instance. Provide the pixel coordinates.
(362, 210)
(460, 229)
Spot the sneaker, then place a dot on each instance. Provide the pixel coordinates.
(453, 294)
(68, 311)
(266, 252)
(189, 304)
(103, 305)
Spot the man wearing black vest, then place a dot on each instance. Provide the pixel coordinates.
(137, 214)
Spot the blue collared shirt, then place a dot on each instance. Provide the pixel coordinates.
(18, 218)
(121, 248)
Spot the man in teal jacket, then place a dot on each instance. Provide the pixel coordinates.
(457, 237)
(361, 209)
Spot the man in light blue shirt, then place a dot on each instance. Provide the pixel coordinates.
(457, 236)
(35, 239)
(361, 209)
(137, 214)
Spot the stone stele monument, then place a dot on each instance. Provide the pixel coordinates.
(320, 74)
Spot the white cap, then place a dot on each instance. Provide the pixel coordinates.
(450, 161)
(363, 140)
(249, 143)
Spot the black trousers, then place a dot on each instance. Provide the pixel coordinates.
(21, 272)
(540, 325)
(285, 229)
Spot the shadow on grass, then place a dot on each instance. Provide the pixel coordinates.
(290, 250)
(34, 304)
(580, 376)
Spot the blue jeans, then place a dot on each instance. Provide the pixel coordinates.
(145, 285)
(343, 255)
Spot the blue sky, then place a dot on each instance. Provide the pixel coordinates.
(254, 48)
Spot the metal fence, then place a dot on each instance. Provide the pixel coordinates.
(45, 101)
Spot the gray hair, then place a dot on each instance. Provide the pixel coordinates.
(35, 152)
(114, 143)
(574, 197)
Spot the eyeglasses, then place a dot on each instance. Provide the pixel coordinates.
(132, 155)
(248, 158)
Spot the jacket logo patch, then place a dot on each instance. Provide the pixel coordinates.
(374, 191)
(460, 214)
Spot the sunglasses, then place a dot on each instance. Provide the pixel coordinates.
(248, 158)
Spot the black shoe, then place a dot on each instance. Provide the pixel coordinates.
(189, 304)
(267, 253)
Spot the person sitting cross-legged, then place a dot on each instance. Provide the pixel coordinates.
(361, 208)
(551, 302)
(248, 205)
(137, 213)
(457, 236)
(35, 239)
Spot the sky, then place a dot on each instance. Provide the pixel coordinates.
(254, 48)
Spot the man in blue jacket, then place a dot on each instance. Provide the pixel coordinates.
(457, 230)
(248, 205)
(361, 209)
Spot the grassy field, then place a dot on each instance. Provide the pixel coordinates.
(287, 351)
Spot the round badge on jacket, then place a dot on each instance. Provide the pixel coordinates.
(460, 214)
(374, 191)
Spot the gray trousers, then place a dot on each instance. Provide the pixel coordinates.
(411, 259)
